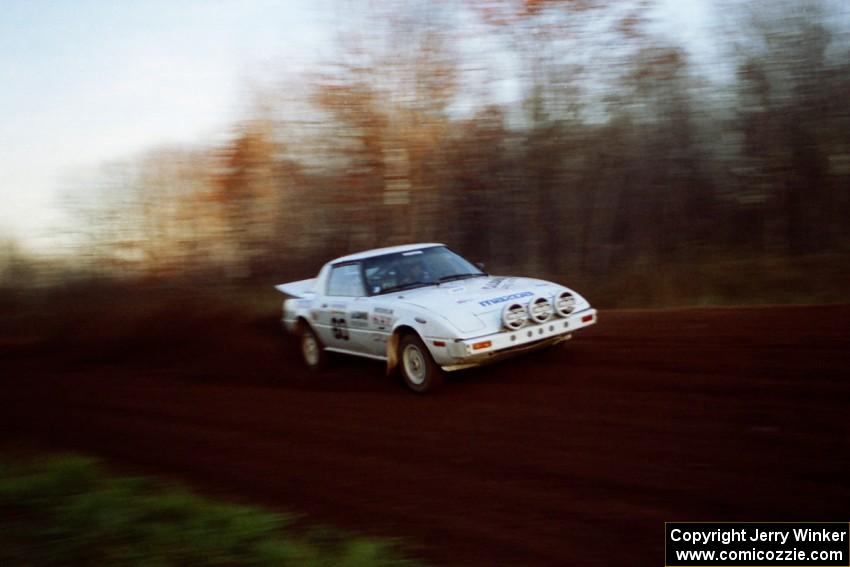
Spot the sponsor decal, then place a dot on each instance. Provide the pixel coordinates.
(339, 328)
(359, 319)
(493, 283)
(499, 283)
(457, 290)
(502, 299)
(382, 322)
(382, 318)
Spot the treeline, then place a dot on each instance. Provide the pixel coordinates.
(557, 138)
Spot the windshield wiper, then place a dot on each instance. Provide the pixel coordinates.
(402, 287)
(458, 277)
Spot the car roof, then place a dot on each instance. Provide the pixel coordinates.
(387, 250)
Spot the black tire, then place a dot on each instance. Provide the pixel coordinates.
(418, 369)
(311, 348)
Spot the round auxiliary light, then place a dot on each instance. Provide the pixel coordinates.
(514, 315)
(539, 309)
(565, 303)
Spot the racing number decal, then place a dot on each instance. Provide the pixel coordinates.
(340, 328)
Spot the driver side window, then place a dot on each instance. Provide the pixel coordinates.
(345, 281)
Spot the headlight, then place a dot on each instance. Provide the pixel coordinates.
(565, 303)
(539, 309)
(514, 315)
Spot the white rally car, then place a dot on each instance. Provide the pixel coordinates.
(424, 309)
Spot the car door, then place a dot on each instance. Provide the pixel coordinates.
(344, 317)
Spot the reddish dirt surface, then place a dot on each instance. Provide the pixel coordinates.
(572, 456)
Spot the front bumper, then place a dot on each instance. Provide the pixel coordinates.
(475, 352)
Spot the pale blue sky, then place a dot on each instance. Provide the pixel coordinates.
(89, 81)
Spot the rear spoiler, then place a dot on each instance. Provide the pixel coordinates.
(301, 288)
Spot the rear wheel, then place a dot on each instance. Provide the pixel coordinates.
(418, 369)
(312, 351)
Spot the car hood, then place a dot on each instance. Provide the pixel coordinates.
(476, 304)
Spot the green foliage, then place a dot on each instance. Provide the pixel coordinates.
(69, 511)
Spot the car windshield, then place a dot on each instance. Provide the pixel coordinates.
(415, 268)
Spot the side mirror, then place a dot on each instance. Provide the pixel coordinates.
(480, 266)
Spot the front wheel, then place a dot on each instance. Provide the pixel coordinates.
(312, 351)
(418, 369)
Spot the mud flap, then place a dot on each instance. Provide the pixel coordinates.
(392, 353)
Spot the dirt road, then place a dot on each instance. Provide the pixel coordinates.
(572, 456)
